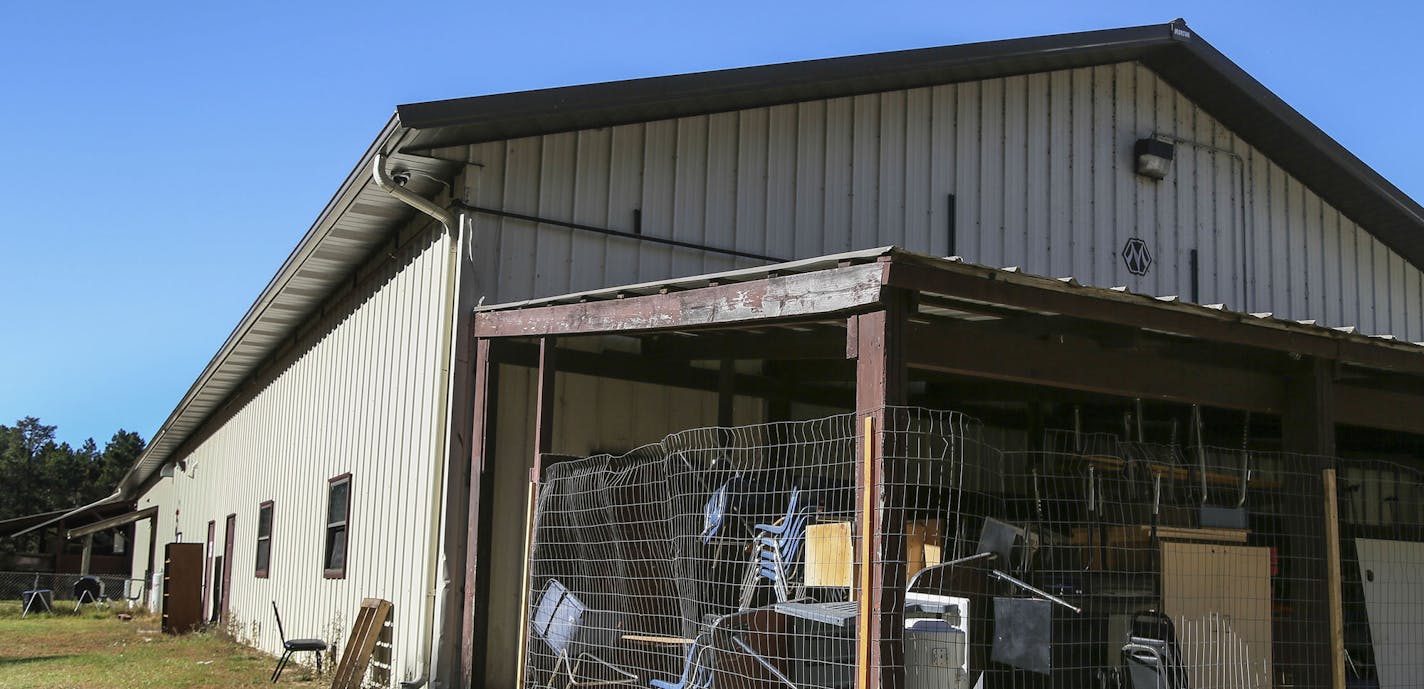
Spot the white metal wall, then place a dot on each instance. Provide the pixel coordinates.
(1040, 167)
(361, 400)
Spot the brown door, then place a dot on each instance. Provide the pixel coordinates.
(208, 555)
(227, 564)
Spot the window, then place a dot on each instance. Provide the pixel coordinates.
(264, 538)
(338, 505)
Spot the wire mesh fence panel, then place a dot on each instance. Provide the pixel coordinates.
(736, 558)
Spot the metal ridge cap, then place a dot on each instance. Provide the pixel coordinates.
(672, 88)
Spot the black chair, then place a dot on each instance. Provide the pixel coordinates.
(290, 646)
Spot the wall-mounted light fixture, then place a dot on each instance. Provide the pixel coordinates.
(1154, 157)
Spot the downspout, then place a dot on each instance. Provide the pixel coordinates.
(438, 581)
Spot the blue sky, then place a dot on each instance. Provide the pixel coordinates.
(164, 157)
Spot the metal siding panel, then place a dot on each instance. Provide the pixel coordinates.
(591, 194)
(916, 176)
(1193, 200)
(659, 202)
(751, 182)
(625, 193)
(865, 172)
(1104, 174)
(943, 180)
(811, 193)
(1028, 159)
(1059, 215)
(889, 226)
(992, 191)
(1170, 263)
(1124, 182)
(689, 192)
(361, 398)
(517, 241)
(719, 226)
(836, 215)
(1316, 284)
(554, 245)
(782, 192)
(969, 178)
(1081, 176)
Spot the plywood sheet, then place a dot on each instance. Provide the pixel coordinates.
(1219, 597)
(1392, 576)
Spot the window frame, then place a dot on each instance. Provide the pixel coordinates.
(258, 570)
(345, 526)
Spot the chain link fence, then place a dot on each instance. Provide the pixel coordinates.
(62, 587)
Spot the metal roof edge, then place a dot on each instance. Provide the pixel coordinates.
(155, 454)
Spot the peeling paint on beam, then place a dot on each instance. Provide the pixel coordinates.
(838, 290)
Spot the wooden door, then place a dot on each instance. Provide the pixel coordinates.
(227, 566)
(182, 587)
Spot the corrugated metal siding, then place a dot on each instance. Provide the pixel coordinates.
(361, 400)
(1040, 166)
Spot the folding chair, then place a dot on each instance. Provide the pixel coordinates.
(556, 621)
(1151, 655)
(89, 590)
(290, 646)
(775, 550)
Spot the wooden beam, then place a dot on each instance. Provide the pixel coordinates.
(484, 412)
(776, 345)
(1308, 428)
(1308, 421)
(1083, 365)
(1382, 409)
(799, 296)
(977, 285)
(881, 382)
(1334, 582)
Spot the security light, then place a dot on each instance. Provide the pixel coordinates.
(1154, 157)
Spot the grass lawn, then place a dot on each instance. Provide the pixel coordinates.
(96, 650)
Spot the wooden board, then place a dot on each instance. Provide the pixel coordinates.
(830, 558)
(1219, 596)
(182, 587)
(356, 654)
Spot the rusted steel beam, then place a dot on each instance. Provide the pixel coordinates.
(484, 408)
(824, 292)
(973, 285)
(1082, 365)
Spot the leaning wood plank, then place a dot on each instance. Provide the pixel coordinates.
(357, 653)
(1334, 581)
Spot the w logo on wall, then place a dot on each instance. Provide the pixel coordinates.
(1136, 256)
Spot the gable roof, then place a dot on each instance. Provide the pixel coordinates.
(1173, 51)
(359, 216)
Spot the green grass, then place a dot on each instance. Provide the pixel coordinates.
(94, 649)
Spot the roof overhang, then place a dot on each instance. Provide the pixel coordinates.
(112, 522)
(824, 291)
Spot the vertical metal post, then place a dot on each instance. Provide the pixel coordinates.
(484, 411)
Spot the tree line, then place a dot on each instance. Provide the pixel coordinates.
(41, 475)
